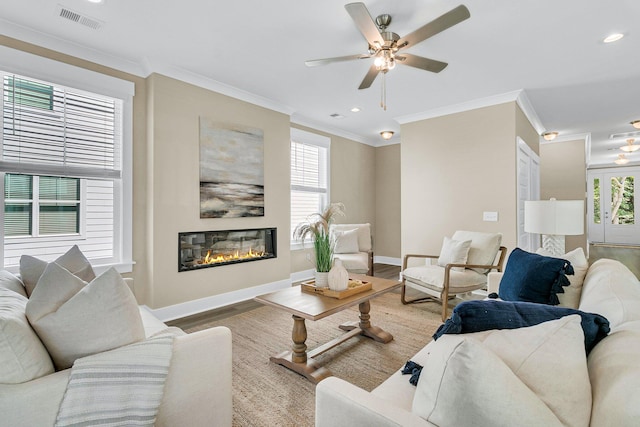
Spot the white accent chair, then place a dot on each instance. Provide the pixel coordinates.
(352, 244)
(445, 281)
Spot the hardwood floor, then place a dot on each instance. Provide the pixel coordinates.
(384, 271)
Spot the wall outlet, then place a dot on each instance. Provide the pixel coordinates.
(308, 257)
(490, 216)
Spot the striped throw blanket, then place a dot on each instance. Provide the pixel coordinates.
(121, 387)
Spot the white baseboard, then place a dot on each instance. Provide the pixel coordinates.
(299, 276)
(387, 260)
(190, 308)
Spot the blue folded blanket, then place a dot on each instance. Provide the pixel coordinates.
(477, 316)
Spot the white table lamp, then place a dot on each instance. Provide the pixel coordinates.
(554, 219)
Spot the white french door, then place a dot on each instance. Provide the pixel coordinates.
(528, 189)
(612, 213)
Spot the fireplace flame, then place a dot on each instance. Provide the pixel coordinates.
(213, 259)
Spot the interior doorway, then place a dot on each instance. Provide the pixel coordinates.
(528, 189)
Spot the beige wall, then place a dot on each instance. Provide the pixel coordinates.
(563, 176)
(453, 169)
(352, 183)
(387, 179)
(175, 107)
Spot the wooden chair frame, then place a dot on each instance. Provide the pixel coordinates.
(444, 294)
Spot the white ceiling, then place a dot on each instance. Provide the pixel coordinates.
(255, 49)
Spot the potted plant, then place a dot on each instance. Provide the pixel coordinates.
(316, 227)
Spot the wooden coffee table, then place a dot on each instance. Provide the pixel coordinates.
(303, 305)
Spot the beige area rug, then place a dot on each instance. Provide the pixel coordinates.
(266, 394)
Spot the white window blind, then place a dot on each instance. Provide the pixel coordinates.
(309, 175)
(56, 130)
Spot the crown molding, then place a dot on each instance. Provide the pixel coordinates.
(461, 107)
(301, 120)
(530, 113)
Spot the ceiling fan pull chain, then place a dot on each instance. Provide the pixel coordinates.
(383, 94)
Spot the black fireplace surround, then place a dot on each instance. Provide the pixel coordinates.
(203, 249)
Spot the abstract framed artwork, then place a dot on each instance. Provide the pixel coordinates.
(231, 170)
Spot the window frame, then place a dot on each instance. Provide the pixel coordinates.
(59, 73)
(36, 203)
(308, 138)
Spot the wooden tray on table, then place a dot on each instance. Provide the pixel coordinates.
(355, 287)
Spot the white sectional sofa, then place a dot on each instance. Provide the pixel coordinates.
(610, 289)
(196, 389)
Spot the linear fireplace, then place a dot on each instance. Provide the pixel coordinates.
(204, 249)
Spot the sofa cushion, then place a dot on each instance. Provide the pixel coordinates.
(571, 295)
(538, 373)
(75, 319)
(22, 355)
(31, 268)
(454, 252)
(475, 316)
(484, 247)
(345, 242)
(615, 378)
(612, 290)
(11, 282)
(534, 278)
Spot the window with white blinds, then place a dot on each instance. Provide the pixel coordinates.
(309, 175)
(61, 161)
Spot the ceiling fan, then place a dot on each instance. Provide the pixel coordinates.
(385, 46)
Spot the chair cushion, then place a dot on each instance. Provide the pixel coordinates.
(432, 277)
(22, 355)
(355, 263)
(454, 252)
(534, 278)
(75, 319)
(537, 375)
(571, 295)
(364, 233)
(345, 242)
(31, 268)
(484, 247)
(475, 316)
(11, 282)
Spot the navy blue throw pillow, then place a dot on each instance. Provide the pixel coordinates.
(476, 316)
(534, 278)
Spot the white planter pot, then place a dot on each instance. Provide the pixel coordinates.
(322, 279)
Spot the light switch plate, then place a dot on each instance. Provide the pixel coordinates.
(490, 216)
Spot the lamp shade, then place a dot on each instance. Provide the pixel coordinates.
(558, 217)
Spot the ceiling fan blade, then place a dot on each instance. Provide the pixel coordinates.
(421, 62)
(360, 15)
(325, 61)
(369, 78)
(449, 19)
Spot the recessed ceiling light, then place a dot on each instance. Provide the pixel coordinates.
(355, 110)
(613, 38)
(95, 1)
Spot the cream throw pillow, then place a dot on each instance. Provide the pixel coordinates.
(31, 268)
(22, 355)
(346, 242)
(454, 252)
(75, 319)
(548, 360)
(572, 293)
(9, 281)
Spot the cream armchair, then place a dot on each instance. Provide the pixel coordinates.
(352, 244)
(463, 265)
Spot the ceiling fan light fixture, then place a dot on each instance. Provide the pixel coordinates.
(549, 136)
(386, 134)
(621, 160)
(636, 124)
(630, 147)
